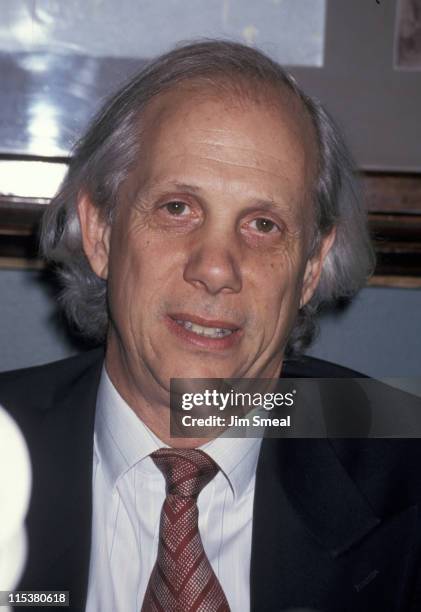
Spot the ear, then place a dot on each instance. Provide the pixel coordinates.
(95, 235)
(314, 268)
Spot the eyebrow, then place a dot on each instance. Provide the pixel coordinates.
(262, 203)
(172, 185)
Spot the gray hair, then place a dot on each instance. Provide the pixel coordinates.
(103, 157)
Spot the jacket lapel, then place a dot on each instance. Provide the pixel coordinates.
(61, 504)
(316, 541)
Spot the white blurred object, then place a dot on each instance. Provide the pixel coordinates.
(15, 488)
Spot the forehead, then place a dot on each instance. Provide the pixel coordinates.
(188, 130)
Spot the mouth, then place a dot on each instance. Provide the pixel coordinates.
(203, 332)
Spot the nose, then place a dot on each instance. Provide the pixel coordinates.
(214, 264)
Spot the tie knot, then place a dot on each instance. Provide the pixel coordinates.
(185, 470)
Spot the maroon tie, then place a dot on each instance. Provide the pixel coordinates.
(182, 579)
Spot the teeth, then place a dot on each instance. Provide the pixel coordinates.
(201, 330)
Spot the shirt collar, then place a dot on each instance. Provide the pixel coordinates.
(122, 440)
(237, 460)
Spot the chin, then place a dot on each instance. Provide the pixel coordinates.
(203, 370)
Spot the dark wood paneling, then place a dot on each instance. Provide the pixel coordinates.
(392, 192)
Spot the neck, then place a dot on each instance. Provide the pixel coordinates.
(149, 398)
(153, 408)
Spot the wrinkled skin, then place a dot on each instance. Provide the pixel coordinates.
(214, 222)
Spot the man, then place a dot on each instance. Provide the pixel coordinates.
(206, 214)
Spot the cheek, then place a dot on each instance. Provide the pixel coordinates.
(141, 270)
(124, 279)
(279, 291)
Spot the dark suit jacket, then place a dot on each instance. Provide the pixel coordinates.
(336, 523)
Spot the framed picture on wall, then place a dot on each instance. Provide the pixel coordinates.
(408, 35)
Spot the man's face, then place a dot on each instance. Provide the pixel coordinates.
(208, 253)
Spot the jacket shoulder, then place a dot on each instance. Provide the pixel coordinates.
(311, 367)
(31, 389)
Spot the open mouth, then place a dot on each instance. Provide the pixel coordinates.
(203, 330)
(210, 334)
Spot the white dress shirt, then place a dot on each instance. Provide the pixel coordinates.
(128, 493)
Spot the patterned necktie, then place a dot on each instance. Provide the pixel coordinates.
(182, 579)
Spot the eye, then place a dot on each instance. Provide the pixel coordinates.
(176, 208)
(264, 226)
